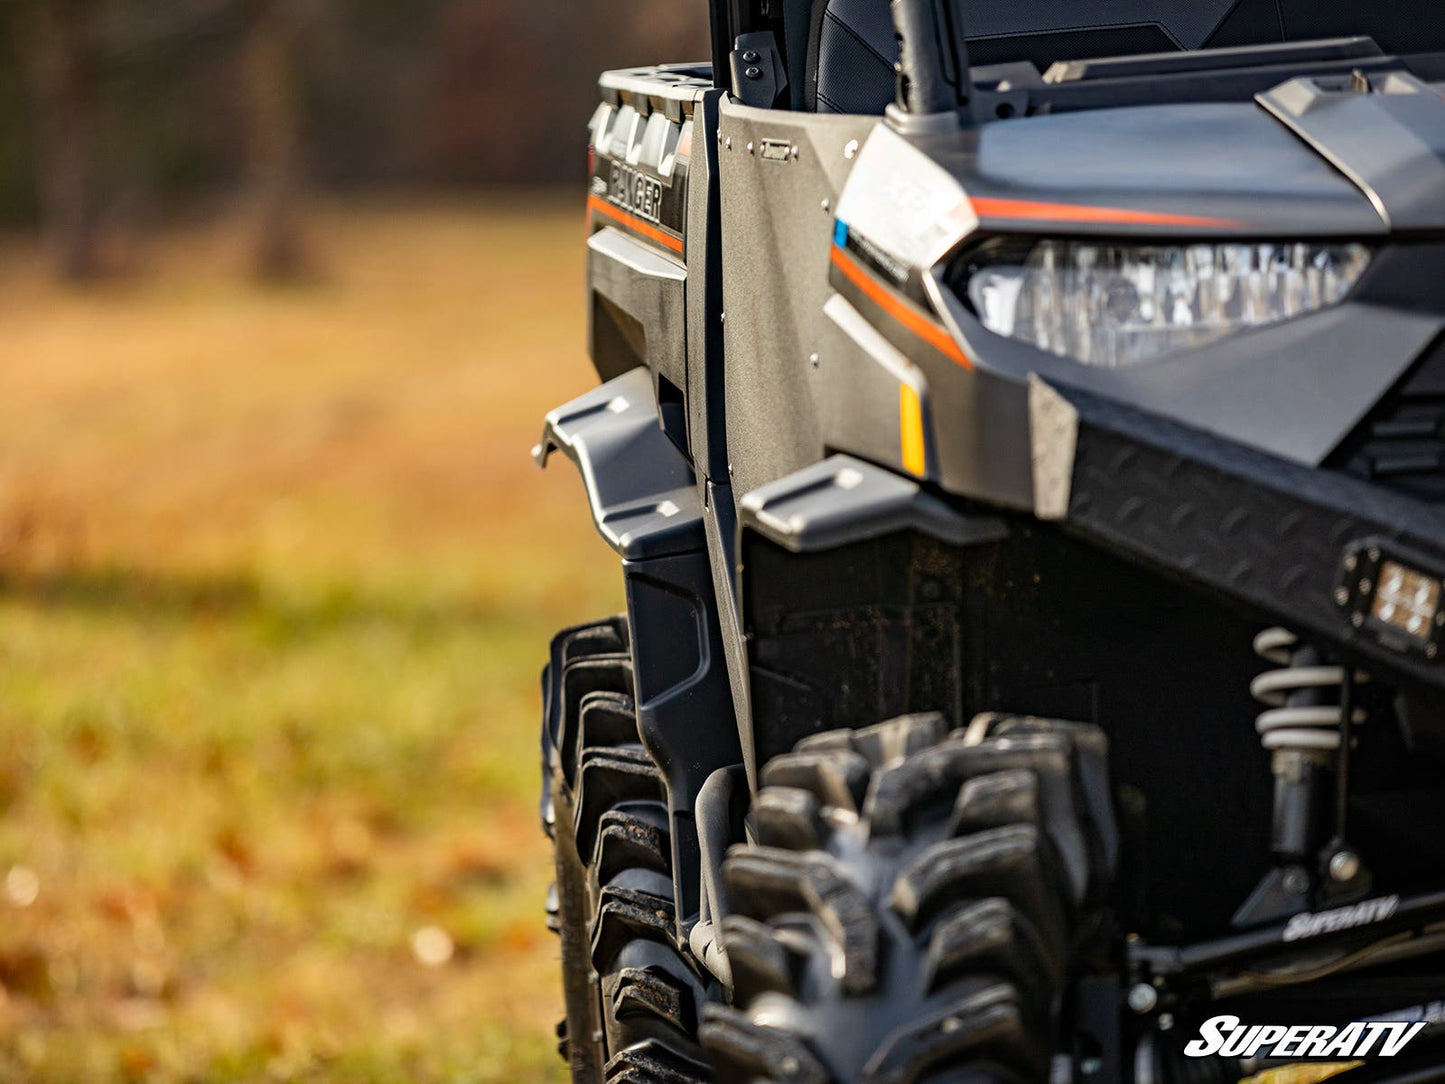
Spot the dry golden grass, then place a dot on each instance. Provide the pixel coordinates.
(276, 577)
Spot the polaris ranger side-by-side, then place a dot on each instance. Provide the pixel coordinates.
(1028, 474)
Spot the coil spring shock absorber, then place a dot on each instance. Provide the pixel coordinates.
(1306, 725)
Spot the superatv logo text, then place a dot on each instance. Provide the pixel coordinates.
(637, 192)
(1341, 918)
(1227, 1037)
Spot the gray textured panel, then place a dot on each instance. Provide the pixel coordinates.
(641, 491)
(777, 219)
(843, 500)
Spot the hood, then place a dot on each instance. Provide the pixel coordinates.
(1173, 169)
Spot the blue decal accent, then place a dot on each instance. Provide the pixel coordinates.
(840, 233)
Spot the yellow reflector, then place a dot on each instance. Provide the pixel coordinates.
(910, 428)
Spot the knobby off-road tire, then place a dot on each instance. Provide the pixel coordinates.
(632, 997)
(914, 904)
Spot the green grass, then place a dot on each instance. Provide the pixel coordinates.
(274, 597)
(242, 797)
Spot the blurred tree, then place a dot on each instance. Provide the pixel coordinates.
(61, 39)
(275, 100)
(121, 110)
(516, 80)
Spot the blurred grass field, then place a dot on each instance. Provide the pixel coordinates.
(276, 580)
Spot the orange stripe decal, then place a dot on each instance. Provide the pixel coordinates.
(600, 206)
(926, 329)
(986, 207)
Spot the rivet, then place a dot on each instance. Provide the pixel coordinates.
(851, 150)
(754, 73)
(827, 205)
(1344, 865)
(750, 147)
(751, 57)
(1143, 997)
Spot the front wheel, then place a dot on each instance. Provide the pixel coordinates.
(631, 994)
(915, 903)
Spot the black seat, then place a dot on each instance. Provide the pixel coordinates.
(854, 53)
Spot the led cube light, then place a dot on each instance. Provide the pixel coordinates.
(1406, 600)
(1393, 597)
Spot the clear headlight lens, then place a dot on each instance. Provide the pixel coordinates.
(1117, 305)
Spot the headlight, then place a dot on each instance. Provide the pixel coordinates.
(1116, 305)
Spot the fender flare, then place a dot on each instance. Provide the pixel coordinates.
(645, 503)
(640, 489)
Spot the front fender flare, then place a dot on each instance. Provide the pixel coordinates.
(641, 490)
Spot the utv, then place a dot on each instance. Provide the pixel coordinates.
(1028, 474)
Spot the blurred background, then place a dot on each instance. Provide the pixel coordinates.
(285, 289)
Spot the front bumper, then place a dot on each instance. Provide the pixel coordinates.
(1271, 534)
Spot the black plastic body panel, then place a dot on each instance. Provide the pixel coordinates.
(684, 702)
(706, 401)
(902, 622)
